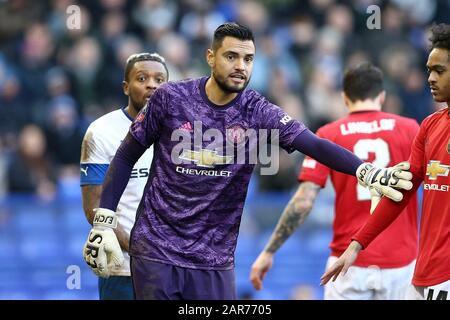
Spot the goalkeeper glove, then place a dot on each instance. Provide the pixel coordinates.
(384, 180)
(375, 198)
(102, 249)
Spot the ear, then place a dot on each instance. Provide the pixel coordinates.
(210, 57)
(346, 99)
(125, 87)
(382, 97)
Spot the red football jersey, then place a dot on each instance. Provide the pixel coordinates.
(431, 155)
(384, 139)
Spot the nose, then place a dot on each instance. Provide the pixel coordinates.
(239, 65)
(432, 78)
(152, 83)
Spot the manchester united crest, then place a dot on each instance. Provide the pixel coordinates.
(236, 134)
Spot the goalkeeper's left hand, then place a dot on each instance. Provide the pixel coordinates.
(384, 180)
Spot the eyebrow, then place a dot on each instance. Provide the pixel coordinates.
(148, 72)
(436, 66)
(237, 54)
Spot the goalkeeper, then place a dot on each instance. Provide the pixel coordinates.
(183, 241)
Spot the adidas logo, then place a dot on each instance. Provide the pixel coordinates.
(186, 126)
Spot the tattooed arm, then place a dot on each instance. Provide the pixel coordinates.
(293, 216)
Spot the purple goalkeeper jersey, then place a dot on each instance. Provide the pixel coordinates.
(192, 204)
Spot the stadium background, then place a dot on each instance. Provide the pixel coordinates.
(55, 81)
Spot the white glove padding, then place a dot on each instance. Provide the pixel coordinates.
(102, 250)
(375, 198)
(384, 180)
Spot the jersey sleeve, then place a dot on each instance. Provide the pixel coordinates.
(146, 128)
(287, 129)
(417, 156)
(94, 160)
(413, 129)
(314, 171)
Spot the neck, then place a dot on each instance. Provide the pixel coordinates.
(216, 95)
(132, 111)
(366, 105)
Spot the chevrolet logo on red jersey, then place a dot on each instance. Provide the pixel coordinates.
(436, 169)
(205, 158)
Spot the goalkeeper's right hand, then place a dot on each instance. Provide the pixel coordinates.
(384, 180)
(102, 249)
(376, 195)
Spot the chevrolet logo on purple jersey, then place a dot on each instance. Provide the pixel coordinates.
(205, 158)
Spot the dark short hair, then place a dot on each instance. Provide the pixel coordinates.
(231, 29)
(362, 82)
(440, 36)
(144, 56)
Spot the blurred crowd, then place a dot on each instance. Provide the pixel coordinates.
(54, 81)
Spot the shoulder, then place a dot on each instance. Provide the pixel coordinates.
(434, 117)
(332, 128)
(402, 120)
(250, 96)
(100, 128)
(179, 88)
(252, 100)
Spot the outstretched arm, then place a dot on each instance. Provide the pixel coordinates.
(327, 152)
(292, 217)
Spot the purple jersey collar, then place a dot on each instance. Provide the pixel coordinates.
(212, 104)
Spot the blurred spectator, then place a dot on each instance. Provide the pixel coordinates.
(13, 109)
(29, 170)
(198, 24)
(36, 51)
(176, 50)
(416, 97)
(84, 62)
(109, 87)
(254, 14)
(63, 132)
(155, 17)
(418, 11)
(16, 15)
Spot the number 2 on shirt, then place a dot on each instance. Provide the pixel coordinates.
(362, 149)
